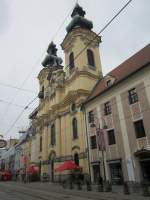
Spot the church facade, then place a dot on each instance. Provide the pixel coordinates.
(59, 120)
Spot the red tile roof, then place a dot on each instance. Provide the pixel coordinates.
(124, 70)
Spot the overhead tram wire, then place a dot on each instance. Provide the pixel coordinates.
(14, 87)
(108, 23)
(61, 25)
(10, 103)
(28, 76)
(7, 102)
(19, 116)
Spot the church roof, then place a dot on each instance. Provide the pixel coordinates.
(135, 63)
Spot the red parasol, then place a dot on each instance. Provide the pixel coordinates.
(67, 165)
(32, 169)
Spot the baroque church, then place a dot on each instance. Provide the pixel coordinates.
(59, 120)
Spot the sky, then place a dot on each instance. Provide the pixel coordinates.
(28, 26)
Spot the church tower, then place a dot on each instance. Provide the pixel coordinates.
(81, 48)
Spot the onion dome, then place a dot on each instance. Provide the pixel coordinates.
(78, 19)
(51, 59)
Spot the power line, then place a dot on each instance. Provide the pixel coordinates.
(28, 76)
(7, 102)
(109, 22)
(18, 117)
(61, 25)
(14, 87)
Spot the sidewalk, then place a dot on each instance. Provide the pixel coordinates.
(116, 194)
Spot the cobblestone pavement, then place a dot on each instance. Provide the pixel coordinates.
(53, 191)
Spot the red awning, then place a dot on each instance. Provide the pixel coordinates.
(32, 169)
(67, 165)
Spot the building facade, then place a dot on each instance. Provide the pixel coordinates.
(118, 113)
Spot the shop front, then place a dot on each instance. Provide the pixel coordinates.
(143, 157)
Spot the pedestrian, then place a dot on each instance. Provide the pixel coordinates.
(100, 180)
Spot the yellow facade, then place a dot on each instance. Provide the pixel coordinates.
(64, 91)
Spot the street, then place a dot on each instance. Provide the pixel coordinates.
(52, 191)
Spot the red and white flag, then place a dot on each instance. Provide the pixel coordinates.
(101, 139)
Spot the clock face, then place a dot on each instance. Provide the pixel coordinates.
(3, 143)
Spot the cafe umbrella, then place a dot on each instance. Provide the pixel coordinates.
(67, 165)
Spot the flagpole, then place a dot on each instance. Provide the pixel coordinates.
(102, 150)
(104, 165)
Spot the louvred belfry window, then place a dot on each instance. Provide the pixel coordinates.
(74, 128)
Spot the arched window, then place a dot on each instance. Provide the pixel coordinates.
(71, 60)
(76, 159)
(43, 89)
(41, 143)
(53, 135)
(74, 128)
(90, 57)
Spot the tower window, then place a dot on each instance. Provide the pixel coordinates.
(90, 57)
(71, 60)
(40, 143)
(74, 128)
(53, 135)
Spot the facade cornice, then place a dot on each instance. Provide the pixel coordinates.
(63, 107)
(78, 73)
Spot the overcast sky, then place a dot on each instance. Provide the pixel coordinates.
(26, 29)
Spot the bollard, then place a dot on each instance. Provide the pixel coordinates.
(88, 186)
(71, 185)
(145, 190)
(79, 186)
(107, 186)
(100, 188)
(126, 188)
(64, 185)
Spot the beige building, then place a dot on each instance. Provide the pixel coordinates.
(118, 115)
(59, 121)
